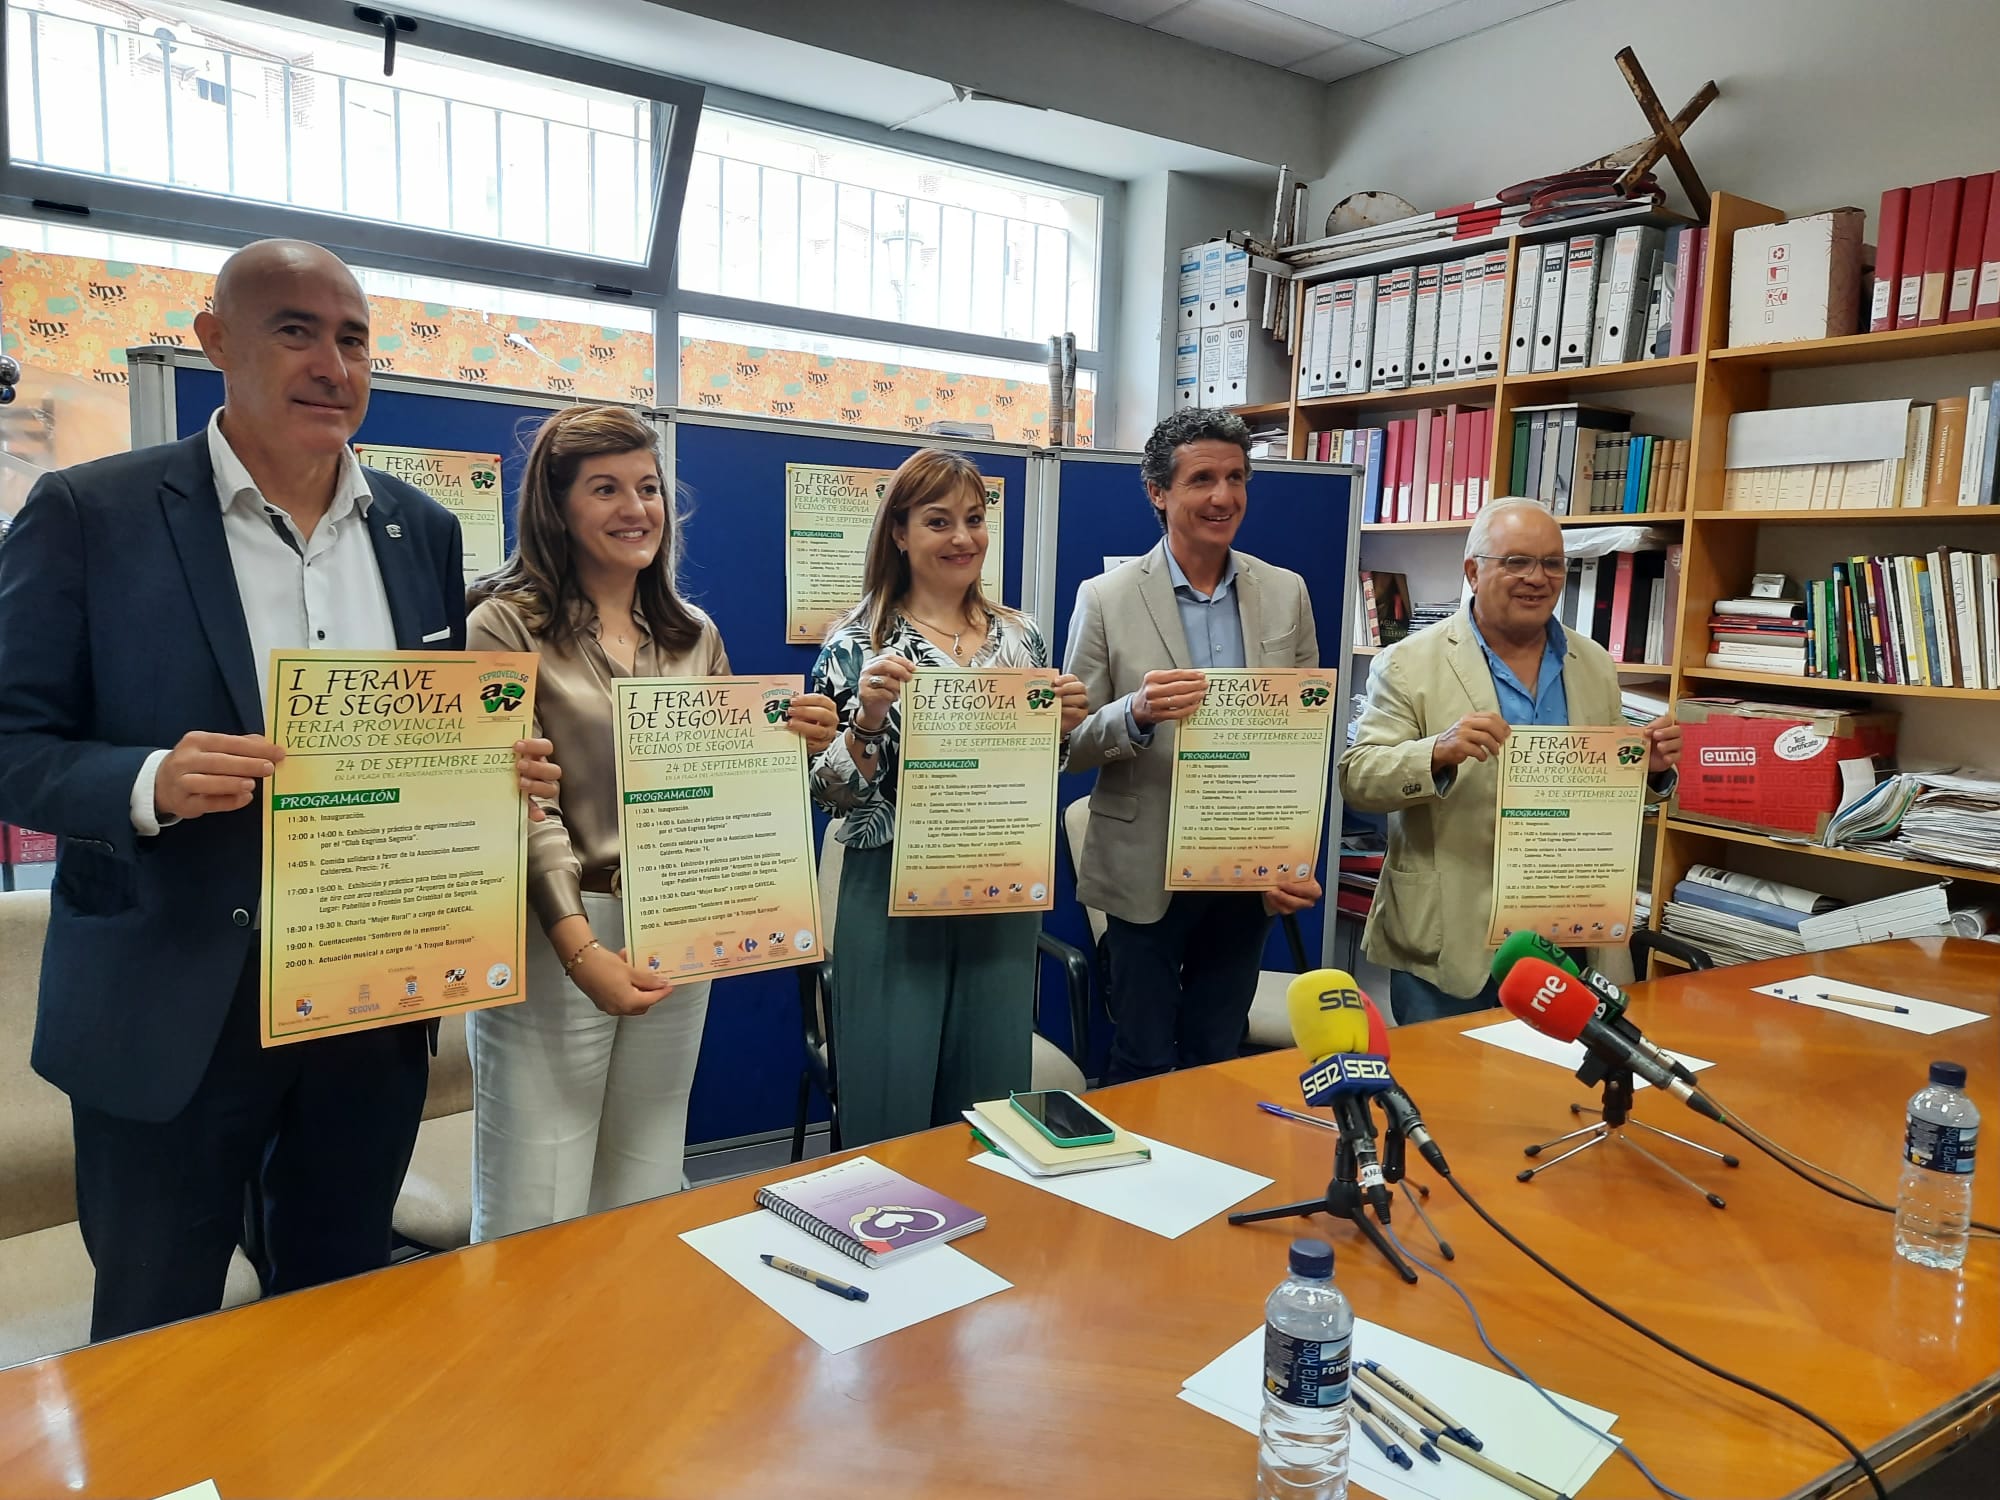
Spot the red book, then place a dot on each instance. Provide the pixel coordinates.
(1939, 242)
(1435, 479)
(1986, 296)
(1429, 449)
(1910, 266)
(1392, 452)
(1482, 461)
(1406, 473)
(1970, 242)
(1888, 258)
(1621, 606)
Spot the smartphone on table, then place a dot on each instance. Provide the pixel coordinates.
(1063, 1119)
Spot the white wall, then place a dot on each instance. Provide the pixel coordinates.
(1824, 102)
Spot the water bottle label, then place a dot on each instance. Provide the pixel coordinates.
(1305, 1372)
(1941, 1148)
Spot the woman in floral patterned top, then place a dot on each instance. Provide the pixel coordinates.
(930, 1014)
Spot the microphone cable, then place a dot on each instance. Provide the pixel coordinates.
(1860, 1458)
(1804, 1169)
(1479, 1327)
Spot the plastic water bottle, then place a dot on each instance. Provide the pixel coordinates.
(1308, 1335)
(1934, 1204)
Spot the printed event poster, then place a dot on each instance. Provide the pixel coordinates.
(1566, 834)
(715, 826)
(466, 484)
(1250, 778)
(976, 793)
(395, 838)
(829, 512)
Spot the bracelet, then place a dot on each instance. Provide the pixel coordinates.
(569, 965)
(869, 739)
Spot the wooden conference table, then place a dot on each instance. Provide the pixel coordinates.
(604, 1357)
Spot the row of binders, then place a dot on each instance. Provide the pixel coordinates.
(1581, 460)
(1938, 254)
(1415, 325)
(1429, 467)
(1922, 620)
(1866, 455)
(1607, 299)
(1625, 601)
(1588, 299)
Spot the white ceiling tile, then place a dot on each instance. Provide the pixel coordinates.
(1450, 22)
(1139, 12)
(1355, 17)
(1344, 61)
(1248, 29)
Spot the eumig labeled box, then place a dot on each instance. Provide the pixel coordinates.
(1771, 767)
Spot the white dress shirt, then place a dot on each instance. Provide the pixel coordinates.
(322, 592)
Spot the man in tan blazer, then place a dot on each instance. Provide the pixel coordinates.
(1183, 967)
(1439, 704)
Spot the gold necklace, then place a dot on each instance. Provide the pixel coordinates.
(956, 635)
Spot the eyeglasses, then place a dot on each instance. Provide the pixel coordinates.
(1520, 565)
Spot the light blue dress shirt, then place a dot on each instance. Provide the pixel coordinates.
(1548, 704)
(1212, 623)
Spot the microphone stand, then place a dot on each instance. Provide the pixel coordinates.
(1614, 1120)
(1344, 1197)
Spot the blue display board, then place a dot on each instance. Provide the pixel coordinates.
(734, 478)
(1297, 517)
(406, 419)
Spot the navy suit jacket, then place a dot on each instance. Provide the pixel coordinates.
(121, 630)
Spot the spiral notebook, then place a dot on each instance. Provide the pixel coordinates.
(867, 1212)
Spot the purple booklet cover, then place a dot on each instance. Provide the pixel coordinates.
(868, 1212)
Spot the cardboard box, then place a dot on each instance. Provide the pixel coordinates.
(1771, 767)
(1187, 316)
(1187, 367)
(1797, 280)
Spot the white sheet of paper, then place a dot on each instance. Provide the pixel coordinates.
(1519, 1036)
(205, 1490)
(935, 1281)
(1518, 1427)
(1926, 1017)
(1169, 1195)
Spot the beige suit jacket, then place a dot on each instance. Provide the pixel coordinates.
(1127, 624)
(1431, 909)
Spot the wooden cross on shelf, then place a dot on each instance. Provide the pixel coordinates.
(1665, 141)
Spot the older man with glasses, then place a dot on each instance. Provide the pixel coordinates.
(1440, 704)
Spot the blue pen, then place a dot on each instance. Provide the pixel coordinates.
(1390, 1451)
(1444, 1420)
(1292, 1114)
(1394, 1424)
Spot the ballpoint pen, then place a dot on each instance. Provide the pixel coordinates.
(1292, 1114)
(1865, 1004)
(1445, 1422)
(1389, 1401)
(1375, 1435)
(1391, 1423)
(814, 1278)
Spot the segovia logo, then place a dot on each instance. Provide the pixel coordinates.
(775, 708)
(1312, 697)
(1041, 697)
(502, 697)
(484, 479)
(1631, 755)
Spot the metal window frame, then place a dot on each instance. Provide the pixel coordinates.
(1110, 236)
(163, 211)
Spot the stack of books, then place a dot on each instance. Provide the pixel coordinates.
(1430, 467)
(1934, 244)
(1424, 615)
(1639, 707)
(1949, 817)
(1270, 439)
(1384, 616)
(1626, 601)
(1607, 299)
(1361, 858)
(1927, 619)
(1759, 635)
(1739, 918)
(1866, 455)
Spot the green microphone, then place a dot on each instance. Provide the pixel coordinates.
(1530, 945)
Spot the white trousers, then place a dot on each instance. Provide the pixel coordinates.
(576, 1111)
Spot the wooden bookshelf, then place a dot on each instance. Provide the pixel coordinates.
(1720, 548)
(1263, 411)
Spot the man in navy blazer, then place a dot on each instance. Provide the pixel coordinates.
(140, 597)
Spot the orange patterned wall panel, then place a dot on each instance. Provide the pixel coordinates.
(717, 376)
(76, 317)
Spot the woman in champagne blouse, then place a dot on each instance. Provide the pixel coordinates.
(581, 1090)
(931, 1014)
